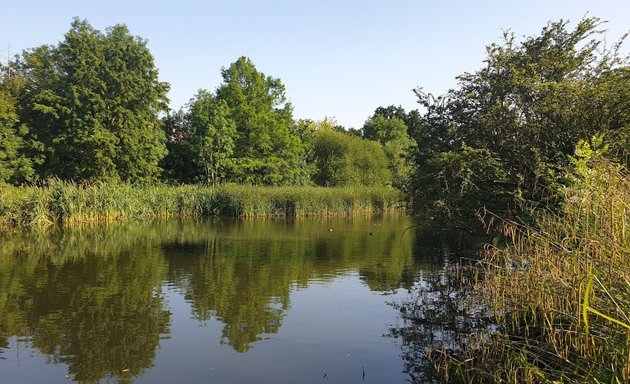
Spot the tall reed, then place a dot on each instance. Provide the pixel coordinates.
(559, 292)
(69, 203)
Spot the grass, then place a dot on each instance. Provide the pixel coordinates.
(71, 203)
(558, 293)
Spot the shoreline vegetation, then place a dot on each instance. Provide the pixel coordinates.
(504, 139)
(67, 203)
(551, 305)
(560, 290)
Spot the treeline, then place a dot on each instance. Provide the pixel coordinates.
(92, 108)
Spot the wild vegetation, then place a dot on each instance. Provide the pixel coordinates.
(80, 111)
(83, 138)
(343, 159)
(243, 133)
(539, 140)
(503, 137)
(553, 304)
(71, 203)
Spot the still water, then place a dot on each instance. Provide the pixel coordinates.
(213, 301)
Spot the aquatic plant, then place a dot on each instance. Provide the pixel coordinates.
(69, 203)
(558, 293)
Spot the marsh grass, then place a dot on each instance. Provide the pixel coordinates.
(558, 293)
(71, 203)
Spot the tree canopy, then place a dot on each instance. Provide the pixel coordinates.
(345, 159)
(392, 133)
(503, 136)
(15, 166)
(92, 102)
(267, 149)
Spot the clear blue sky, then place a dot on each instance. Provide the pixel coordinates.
(338, 59)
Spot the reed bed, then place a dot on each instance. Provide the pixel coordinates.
(70, 203)
(558, 293)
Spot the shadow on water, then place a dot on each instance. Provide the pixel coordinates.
(93, 298)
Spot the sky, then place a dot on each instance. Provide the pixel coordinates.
(337, 59)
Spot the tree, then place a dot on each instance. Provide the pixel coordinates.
(213, 136)
(412, 119)
(267, 150)
(343, 159)
(504, 135)
(392, 134)
(180, 164)
(93, 103)
(15, 167)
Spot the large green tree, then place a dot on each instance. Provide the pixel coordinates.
(413, 119)
(93, 102)
(267, 150)
(213, 137)
(15, 166)
(503, 136)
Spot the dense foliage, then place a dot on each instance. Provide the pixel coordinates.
(267, 150)
(551, 305)
(539, 137)
(91, 104)
(392, 134)
(242, 133)
(201, 142)
(15, 166)
(87, 109)
(503, 136)
(345, 159)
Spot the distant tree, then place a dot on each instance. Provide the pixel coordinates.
(353, 131)
(391, 133)
(412, 119)
(93, 102)
(305, 129)
(342, 159)
(267, 149)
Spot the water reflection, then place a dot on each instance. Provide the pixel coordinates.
(92, 298)
(99, 312)
(434, 315)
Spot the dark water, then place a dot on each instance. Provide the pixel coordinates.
(217, 301)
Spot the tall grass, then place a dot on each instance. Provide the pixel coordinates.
(68, 203)
(559, 292)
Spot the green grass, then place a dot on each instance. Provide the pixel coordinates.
(559, 292)
(69, 203)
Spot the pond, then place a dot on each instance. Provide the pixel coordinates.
(217, 300)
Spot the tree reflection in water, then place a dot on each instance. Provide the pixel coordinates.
(102, 315)
(92, 298)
